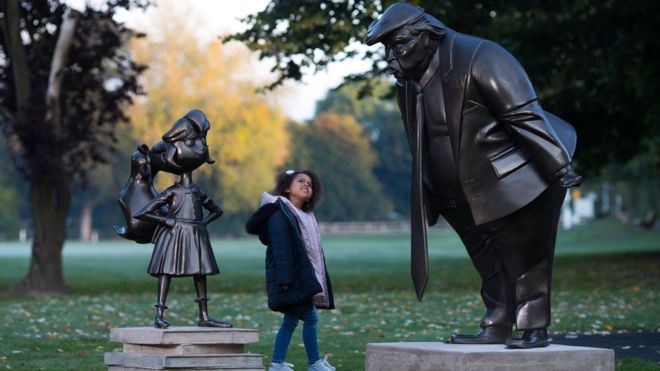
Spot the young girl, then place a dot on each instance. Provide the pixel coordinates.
(296, 277)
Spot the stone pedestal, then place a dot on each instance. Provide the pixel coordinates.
(457, 357)
(183, 348)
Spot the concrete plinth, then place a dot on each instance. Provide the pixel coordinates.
(183, 348)
(458, 357)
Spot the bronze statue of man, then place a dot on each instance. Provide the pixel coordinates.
(487, 158)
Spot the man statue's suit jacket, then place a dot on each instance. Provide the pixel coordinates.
(506, 149)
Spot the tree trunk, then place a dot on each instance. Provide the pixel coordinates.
(50, 207)
(50, 198)
(86, 217)
(11, 30)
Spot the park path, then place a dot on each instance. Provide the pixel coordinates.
(644, 345)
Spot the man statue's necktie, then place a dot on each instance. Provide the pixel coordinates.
(419, 259)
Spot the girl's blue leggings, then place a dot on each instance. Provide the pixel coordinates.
(283, 338)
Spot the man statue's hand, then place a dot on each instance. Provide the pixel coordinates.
(170, 222)
(570, 179)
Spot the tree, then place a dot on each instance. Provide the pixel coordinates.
(592, 62)
(9, 218)
(336, 147)
(9, 198)
(94, 207)
(102, 184)
(248, 136)
(65, 84)
(382, 122)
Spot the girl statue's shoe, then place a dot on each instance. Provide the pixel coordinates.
(159, 322)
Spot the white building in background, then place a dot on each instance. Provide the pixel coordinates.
(585, 207)
(578, 209)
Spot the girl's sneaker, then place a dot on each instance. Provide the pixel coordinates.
(321, 365)
(280, 367)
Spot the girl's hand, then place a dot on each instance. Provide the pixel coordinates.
(284, 287)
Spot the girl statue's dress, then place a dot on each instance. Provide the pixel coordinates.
(183, 249)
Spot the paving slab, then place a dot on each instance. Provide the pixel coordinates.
(434, 356)
(641, 344)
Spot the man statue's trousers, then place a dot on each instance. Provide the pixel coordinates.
(514, 256)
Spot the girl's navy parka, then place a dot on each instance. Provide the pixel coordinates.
(286, 260)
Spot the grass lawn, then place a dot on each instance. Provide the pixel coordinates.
(606, 278)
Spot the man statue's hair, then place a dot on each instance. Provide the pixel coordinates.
(427, 23)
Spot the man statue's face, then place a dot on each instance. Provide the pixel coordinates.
(407, 54)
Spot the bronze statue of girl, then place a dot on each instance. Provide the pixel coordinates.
(174, 219)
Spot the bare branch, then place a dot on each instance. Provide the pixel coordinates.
(64, 41)
(16, 52)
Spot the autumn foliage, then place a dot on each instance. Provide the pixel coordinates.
(248, 137)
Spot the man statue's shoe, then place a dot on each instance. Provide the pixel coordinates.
(213, 323)
(536, 338)
(487, 335)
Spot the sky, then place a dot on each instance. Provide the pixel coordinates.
(217, 18)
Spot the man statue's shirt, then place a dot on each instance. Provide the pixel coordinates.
(439, 170)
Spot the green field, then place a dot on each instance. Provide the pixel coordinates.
(606, 278)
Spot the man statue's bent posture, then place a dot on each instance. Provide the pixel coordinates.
(488, 159)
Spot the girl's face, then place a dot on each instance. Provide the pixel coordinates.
(300, 190)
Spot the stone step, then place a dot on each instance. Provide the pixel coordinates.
(172, 362)
(433, 356)
(184, 349)
(121, 368)
(183, 335)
